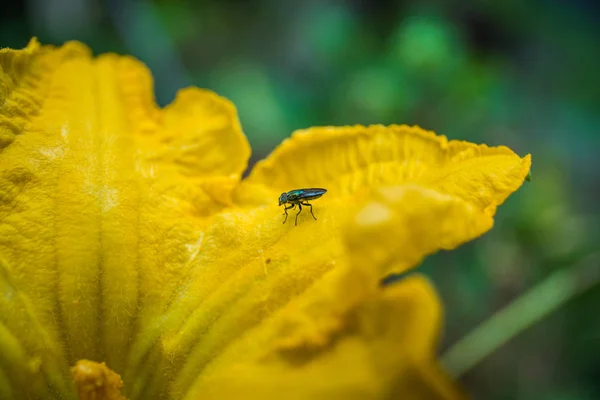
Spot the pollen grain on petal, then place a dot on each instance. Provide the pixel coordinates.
(95, 381)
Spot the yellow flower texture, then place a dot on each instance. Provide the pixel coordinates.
(136, 262)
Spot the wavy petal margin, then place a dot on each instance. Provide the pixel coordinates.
(347, 159)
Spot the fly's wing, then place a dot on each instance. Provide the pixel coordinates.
(305, 194)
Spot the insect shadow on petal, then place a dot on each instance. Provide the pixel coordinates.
(299, 197)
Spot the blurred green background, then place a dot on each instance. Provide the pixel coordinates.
(525, 74)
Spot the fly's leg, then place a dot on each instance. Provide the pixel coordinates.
(310, 205)
(285, 208)
(300, 207)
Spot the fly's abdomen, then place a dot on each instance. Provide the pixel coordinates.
(305, 194)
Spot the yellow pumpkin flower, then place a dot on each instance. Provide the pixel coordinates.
(136, 262)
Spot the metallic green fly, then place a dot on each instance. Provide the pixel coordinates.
(300, 197)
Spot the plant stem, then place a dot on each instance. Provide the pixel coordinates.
(526, 310)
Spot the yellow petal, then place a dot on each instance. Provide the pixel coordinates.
(101, 195)
(22, 83)
(379, 345)
(481, 175)
(446, 191)
(32, 356)
(246, 264)
(266, 285)
(347, 159)
(261, 286)
(200, 137)
(398, 226)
